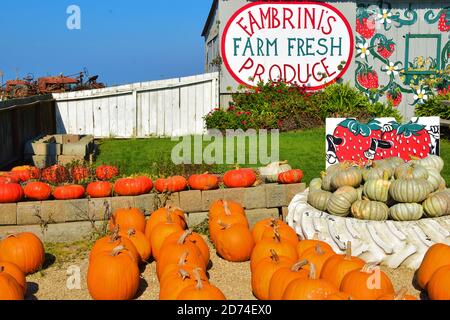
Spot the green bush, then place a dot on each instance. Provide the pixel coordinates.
(277, 105)
(434, 107)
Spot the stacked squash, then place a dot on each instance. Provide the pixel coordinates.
(386, 189)
(20, 254)
(229, 231)
(434, 273)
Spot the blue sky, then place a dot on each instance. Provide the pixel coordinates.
(123, 41)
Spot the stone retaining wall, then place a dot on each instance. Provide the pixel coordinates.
(71, 220)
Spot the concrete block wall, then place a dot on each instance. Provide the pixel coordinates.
(269, 200)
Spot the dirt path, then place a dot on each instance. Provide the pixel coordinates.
(234, 279)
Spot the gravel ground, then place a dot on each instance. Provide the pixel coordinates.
(232, 278)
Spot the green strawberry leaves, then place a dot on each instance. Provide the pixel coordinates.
(357, 128)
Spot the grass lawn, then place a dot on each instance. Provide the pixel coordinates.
(303, 149)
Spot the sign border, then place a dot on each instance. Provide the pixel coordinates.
(327, 5)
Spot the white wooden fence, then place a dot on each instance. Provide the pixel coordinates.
(167, 108)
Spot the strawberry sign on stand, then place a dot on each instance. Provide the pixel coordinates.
(354, 141)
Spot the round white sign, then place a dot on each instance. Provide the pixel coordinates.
(305, 43)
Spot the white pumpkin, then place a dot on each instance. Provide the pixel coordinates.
(432, 162)
(271, 172)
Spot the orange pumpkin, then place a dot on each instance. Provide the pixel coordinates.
(284, 276)
(264, 271)
(174, 284)
(193, 238)
(229, 218)
(10, 193)
(14, 271)
(113, 275)
(203, 182)
(368, 283)
(128, 187)
(239, 178)
(201, 290)
(126, 219)
(311, 288)
(37, 191)
(221, 207)
(260, 227)
(26, 173)
(439, 284)
(100, 189)
(172, 184)
(234, 243)
(140, 242)
(305, 245)
(437, 256)
(171, 252)
(264, 248)
(290, 177)
(111, 242)
(161, 232)
(337, 267)
(106, 173)
(159, 216)
(69, 192)
(285, 231)
(9, 288)
(399, 296)
(318, 256)
(24, 250)
(186, 262)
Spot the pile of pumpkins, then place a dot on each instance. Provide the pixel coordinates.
(284, 268)
(182, 257)
(386, 189)
(20, 255)
(433, 275)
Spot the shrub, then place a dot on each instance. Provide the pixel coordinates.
(277, 105)
(434, 106)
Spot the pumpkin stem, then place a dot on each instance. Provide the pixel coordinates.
(283, 162)
(114, 234)
(348, 251)
(183, 258)
(296, 267)
(276, 232)
(2, 269)
(184, 236)
(168, 215)
(115, 252)
(316, 236)
(401, 294)
(131, 232)
(312, 271)
(319, 249)
(198, 279)
(183, 274)
(274, 256)
(226, 208)
(386, 175)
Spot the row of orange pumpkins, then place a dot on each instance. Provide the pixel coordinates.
(11, 191)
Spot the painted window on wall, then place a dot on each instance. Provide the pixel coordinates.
(402, 52)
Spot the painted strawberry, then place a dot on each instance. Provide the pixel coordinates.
(408, 140)
(368, 78)
(395, 97)
(365, 23)
(353, 139)
(386, 48)
(444, 23)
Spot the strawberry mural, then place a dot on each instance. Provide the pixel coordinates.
(367, 77)
(444, 21)
(394, 97)
(386, 48)
(408, 140)
(379, 139)
(365, 24)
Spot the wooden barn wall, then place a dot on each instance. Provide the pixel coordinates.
(167, 108)
(22, 121)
